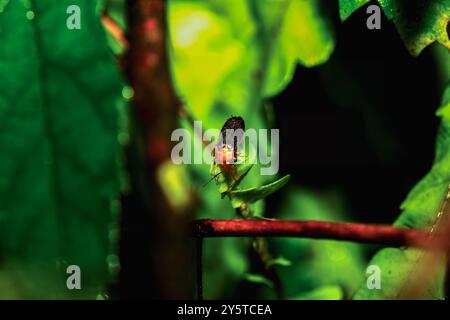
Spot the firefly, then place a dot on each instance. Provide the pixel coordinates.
(225, 153)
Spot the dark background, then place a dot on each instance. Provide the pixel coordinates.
(364, 121)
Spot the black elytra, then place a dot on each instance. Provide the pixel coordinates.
(233, 123)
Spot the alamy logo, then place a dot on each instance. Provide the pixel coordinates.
(374, 21)
(231, 145)
(74, 279)
(374, 277)
(73, 22)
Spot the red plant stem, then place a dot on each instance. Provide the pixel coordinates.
(357, 232)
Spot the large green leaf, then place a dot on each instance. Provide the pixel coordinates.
(255, 194)
(420, 211)
(205, 51)
(298, 31)
(419, 22)
(59, 99)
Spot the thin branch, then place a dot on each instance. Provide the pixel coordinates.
(146, 66)
(357, 232)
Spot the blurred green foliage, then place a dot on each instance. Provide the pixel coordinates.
(248, 49)
(59, 164)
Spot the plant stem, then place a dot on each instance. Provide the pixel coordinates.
(260, 246)
(357, 232)
(155, 110)
(199, 261)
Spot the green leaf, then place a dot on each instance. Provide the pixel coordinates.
(386, 5)
(245, 169)
(396, 266)
(442, 56)
(420, 210)
(243, 44)
(203, 44)
(254, 194)
(59, 143)
(3, 5)
(224, 182)
(260, 279)
(347, 7)
(304, 35)
(422, 22)
(280, 261)
(419, 22)
(444, 112)
(322, 293)
(227, 181)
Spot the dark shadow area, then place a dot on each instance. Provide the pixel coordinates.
(364, 121)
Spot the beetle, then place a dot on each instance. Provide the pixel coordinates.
(225, 152)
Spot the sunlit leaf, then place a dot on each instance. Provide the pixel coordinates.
(204, 51)
(242, 43)
(347, 7)
(305, 36)
(173, 180)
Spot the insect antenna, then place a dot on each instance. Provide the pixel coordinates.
(215, 176)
